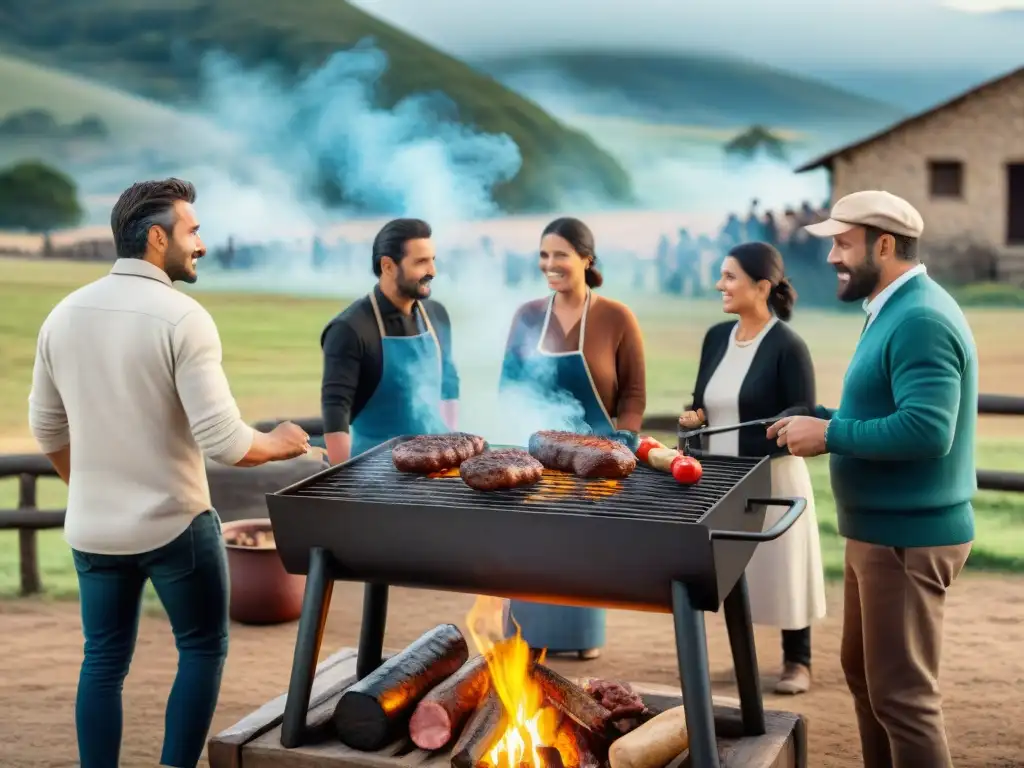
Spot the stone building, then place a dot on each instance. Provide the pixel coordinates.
(962, 165)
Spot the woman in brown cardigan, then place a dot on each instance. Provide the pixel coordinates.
(576, 345)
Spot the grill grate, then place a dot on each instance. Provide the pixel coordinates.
(646, 494)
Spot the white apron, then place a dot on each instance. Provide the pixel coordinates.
(785, 577)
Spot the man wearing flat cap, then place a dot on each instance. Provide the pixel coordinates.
(901, 448)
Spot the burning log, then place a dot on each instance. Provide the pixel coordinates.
(572, 700)
(585, 748)
(483, 729)
(550, 757)
(369, 712)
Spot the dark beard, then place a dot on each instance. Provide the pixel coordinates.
(863, 281)
(177, 267)
(413, 289)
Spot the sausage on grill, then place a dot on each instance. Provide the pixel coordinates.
(434, 453)
(501, 470)
(582, 455)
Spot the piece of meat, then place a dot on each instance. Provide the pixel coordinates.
(582, 455)
(433, 453)
(441, 713)
(627, 709)
(500, 470)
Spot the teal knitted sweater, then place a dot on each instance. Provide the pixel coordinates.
(902, 440)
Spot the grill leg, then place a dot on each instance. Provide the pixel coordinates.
(315, 602)
(744, 657)
(692, 650)
(371, 633)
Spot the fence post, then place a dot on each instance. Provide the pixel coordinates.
(28, 552)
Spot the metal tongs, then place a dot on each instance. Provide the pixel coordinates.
(687, 448)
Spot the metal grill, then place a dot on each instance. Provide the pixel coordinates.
(647, 494)
(644, 542)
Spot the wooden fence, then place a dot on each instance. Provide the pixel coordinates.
(27, 519)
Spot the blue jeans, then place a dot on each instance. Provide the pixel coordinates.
(191, 579)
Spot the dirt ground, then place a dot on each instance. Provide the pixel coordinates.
(40, 650)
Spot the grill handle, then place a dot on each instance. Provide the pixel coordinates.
(796, 508)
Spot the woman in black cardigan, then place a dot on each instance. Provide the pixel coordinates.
(754, 368)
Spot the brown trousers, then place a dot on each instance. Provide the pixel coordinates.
(893, 610)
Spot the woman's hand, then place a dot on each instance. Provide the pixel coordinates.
(692, 419)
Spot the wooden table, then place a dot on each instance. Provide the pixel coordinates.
(255, 741)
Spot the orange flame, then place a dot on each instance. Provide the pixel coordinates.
(531, 723)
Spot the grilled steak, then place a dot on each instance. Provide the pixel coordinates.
(501, 470)
(582, 455)
(433, 453)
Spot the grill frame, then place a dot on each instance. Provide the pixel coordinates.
(721, 541)
(614, 557)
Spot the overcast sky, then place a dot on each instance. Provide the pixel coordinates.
(831, 35)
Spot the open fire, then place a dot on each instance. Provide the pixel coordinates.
(502, 708)
(532, 735)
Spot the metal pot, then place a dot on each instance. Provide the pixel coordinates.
(262, 592)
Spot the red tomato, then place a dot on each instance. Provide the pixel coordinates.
(646, 444)
(686, 470)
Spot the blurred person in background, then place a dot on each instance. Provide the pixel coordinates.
(757, 367)
(592, 349)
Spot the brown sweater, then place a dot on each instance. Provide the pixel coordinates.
(613, 349)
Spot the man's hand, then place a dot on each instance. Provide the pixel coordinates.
(290, 441)
(692, 419)
(803, 435)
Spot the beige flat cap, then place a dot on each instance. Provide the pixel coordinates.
(871, 208)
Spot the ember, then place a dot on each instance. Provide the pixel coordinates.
(445, 473)
(532, 736)
(555, 485)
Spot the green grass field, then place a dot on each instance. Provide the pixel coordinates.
(272, 357)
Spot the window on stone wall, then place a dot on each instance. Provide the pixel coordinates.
(946, 178)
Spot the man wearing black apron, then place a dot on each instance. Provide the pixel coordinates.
(388, 368)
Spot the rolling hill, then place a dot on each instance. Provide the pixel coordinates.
(156, 48)
(688, 89)
(70, 97)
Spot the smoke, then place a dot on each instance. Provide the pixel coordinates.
(279, 142)
(261, 147)
(295, 141)
(508, 414)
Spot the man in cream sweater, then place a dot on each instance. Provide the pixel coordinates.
(128, 394)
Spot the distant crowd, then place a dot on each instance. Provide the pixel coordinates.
(689, 266)
(683, 264)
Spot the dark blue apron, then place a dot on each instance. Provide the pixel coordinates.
(555, 627)
(407, 400)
